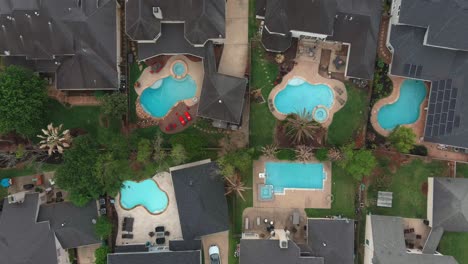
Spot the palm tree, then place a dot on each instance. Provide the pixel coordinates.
(270, 150)
(300, 127)
(54, 139)
(335, 154)
(304, 153)
(235, 185)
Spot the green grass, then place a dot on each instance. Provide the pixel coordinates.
(84, 117)
(132, 95)
(406, 185)
(462, 170)
(350, 118)
(454, 244)
(344, 192)
(263, 75)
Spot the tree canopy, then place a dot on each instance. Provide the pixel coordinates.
(23, 99)
(403, 139)
(103, 227)
(114, 104)
(357, 163)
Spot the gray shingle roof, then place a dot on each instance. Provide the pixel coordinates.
(355, 22)
(446, 21)
(199, 192)
(450, 204)
(447, 121)
(22, 239)
(179, 257)
(77, 229)
(203, 19)
(222, 97)
(82, 40)
(389, 244)
(331, 239)
(265, 251)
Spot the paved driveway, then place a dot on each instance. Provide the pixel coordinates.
(222, 241)
(235, 52)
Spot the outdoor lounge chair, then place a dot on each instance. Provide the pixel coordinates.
(127, 236)
(160, 241)
(182, 121)
(160, 229)
(187, 115)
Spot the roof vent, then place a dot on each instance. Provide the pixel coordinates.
(283, 243)
(157, 12)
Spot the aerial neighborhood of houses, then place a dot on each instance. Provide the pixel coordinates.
(233, 131)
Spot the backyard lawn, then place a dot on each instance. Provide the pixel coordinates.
(407, 184)
(350, 118)
(462, 170)
(454, 244)
(263, 75)
(344, 192)
(135, 73)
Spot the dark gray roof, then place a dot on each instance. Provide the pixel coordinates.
(446, 21)
(77, 229)
(354, 22)
(171, 41)
(317, 16)
(260, 7)
(203, 19)
(433, 240)
(131, 248)
(183, 245)
(22, 239)
(275, 42)
(179, 257)
(199, 192)
(450, 204)
(80, 39)
(222, 97)
(389, 244)
(447, 121)
(266, 251)
(332, 239)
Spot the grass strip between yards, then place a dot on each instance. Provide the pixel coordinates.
(135, 73)
(350, 118)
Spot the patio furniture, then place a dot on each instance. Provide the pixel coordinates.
(167, 233)
(188, 116)
(127, 236)
(295, 218)
(128, 224)
(160, 229)
(160, 241)
(151, 234)
(182, 121)
(58, 197)
(258, 221)
(418, 236)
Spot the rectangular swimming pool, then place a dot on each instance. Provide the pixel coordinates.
(291, 175)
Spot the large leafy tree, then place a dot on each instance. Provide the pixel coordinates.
(114, 104)
(110, 173)
(77, 175)
(23, 99)
(358, 163)
(403, 139)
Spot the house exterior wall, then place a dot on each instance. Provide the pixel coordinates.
(62, 254)
(395, 12)
(368, 242)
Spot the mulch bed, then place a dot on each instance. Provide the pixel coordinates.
(424, 188)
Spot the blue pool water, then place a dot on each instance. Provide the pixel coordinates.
(266, 192)
(158, 99)
(178, 68)
(320, 114)
(145, 193)
(406, 109)
(299, 94)
(294, 175)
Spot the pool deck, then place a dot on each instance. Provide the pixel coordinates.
(307, 68)
(293, 198)
(418, 126)
(195, 70)
(144, 222)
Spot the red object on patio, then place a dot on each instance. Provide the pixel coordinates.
(187, 115)
(182, 120)
(173, 125)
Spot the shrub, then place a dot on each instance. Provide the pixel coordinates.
(193, 145)
(403, 139)
(101, 255)
(103, 227)
(322, 154)
(286, 154)
(419, 150)
(178, 154)
(144, 150)
(114, 104)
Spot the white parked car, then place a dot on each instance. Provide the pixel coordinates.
(214, 254)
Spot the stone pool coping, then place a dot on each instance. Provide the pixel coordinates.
(194, 69)
(308, 71)
(392, 98)
(138, 205)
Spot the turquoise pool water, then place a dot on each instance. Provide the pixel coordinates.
(406, 109)
(291, 175)
(320, 114)
(158, 99)
(266, 193)
(145, 193)
(299, 94)
(178, 68)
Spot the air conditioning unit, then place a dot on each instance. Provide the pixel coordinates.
(283, 243)
(157, 12)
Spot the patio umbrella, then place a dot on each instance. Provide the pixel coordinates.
(5, 182)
